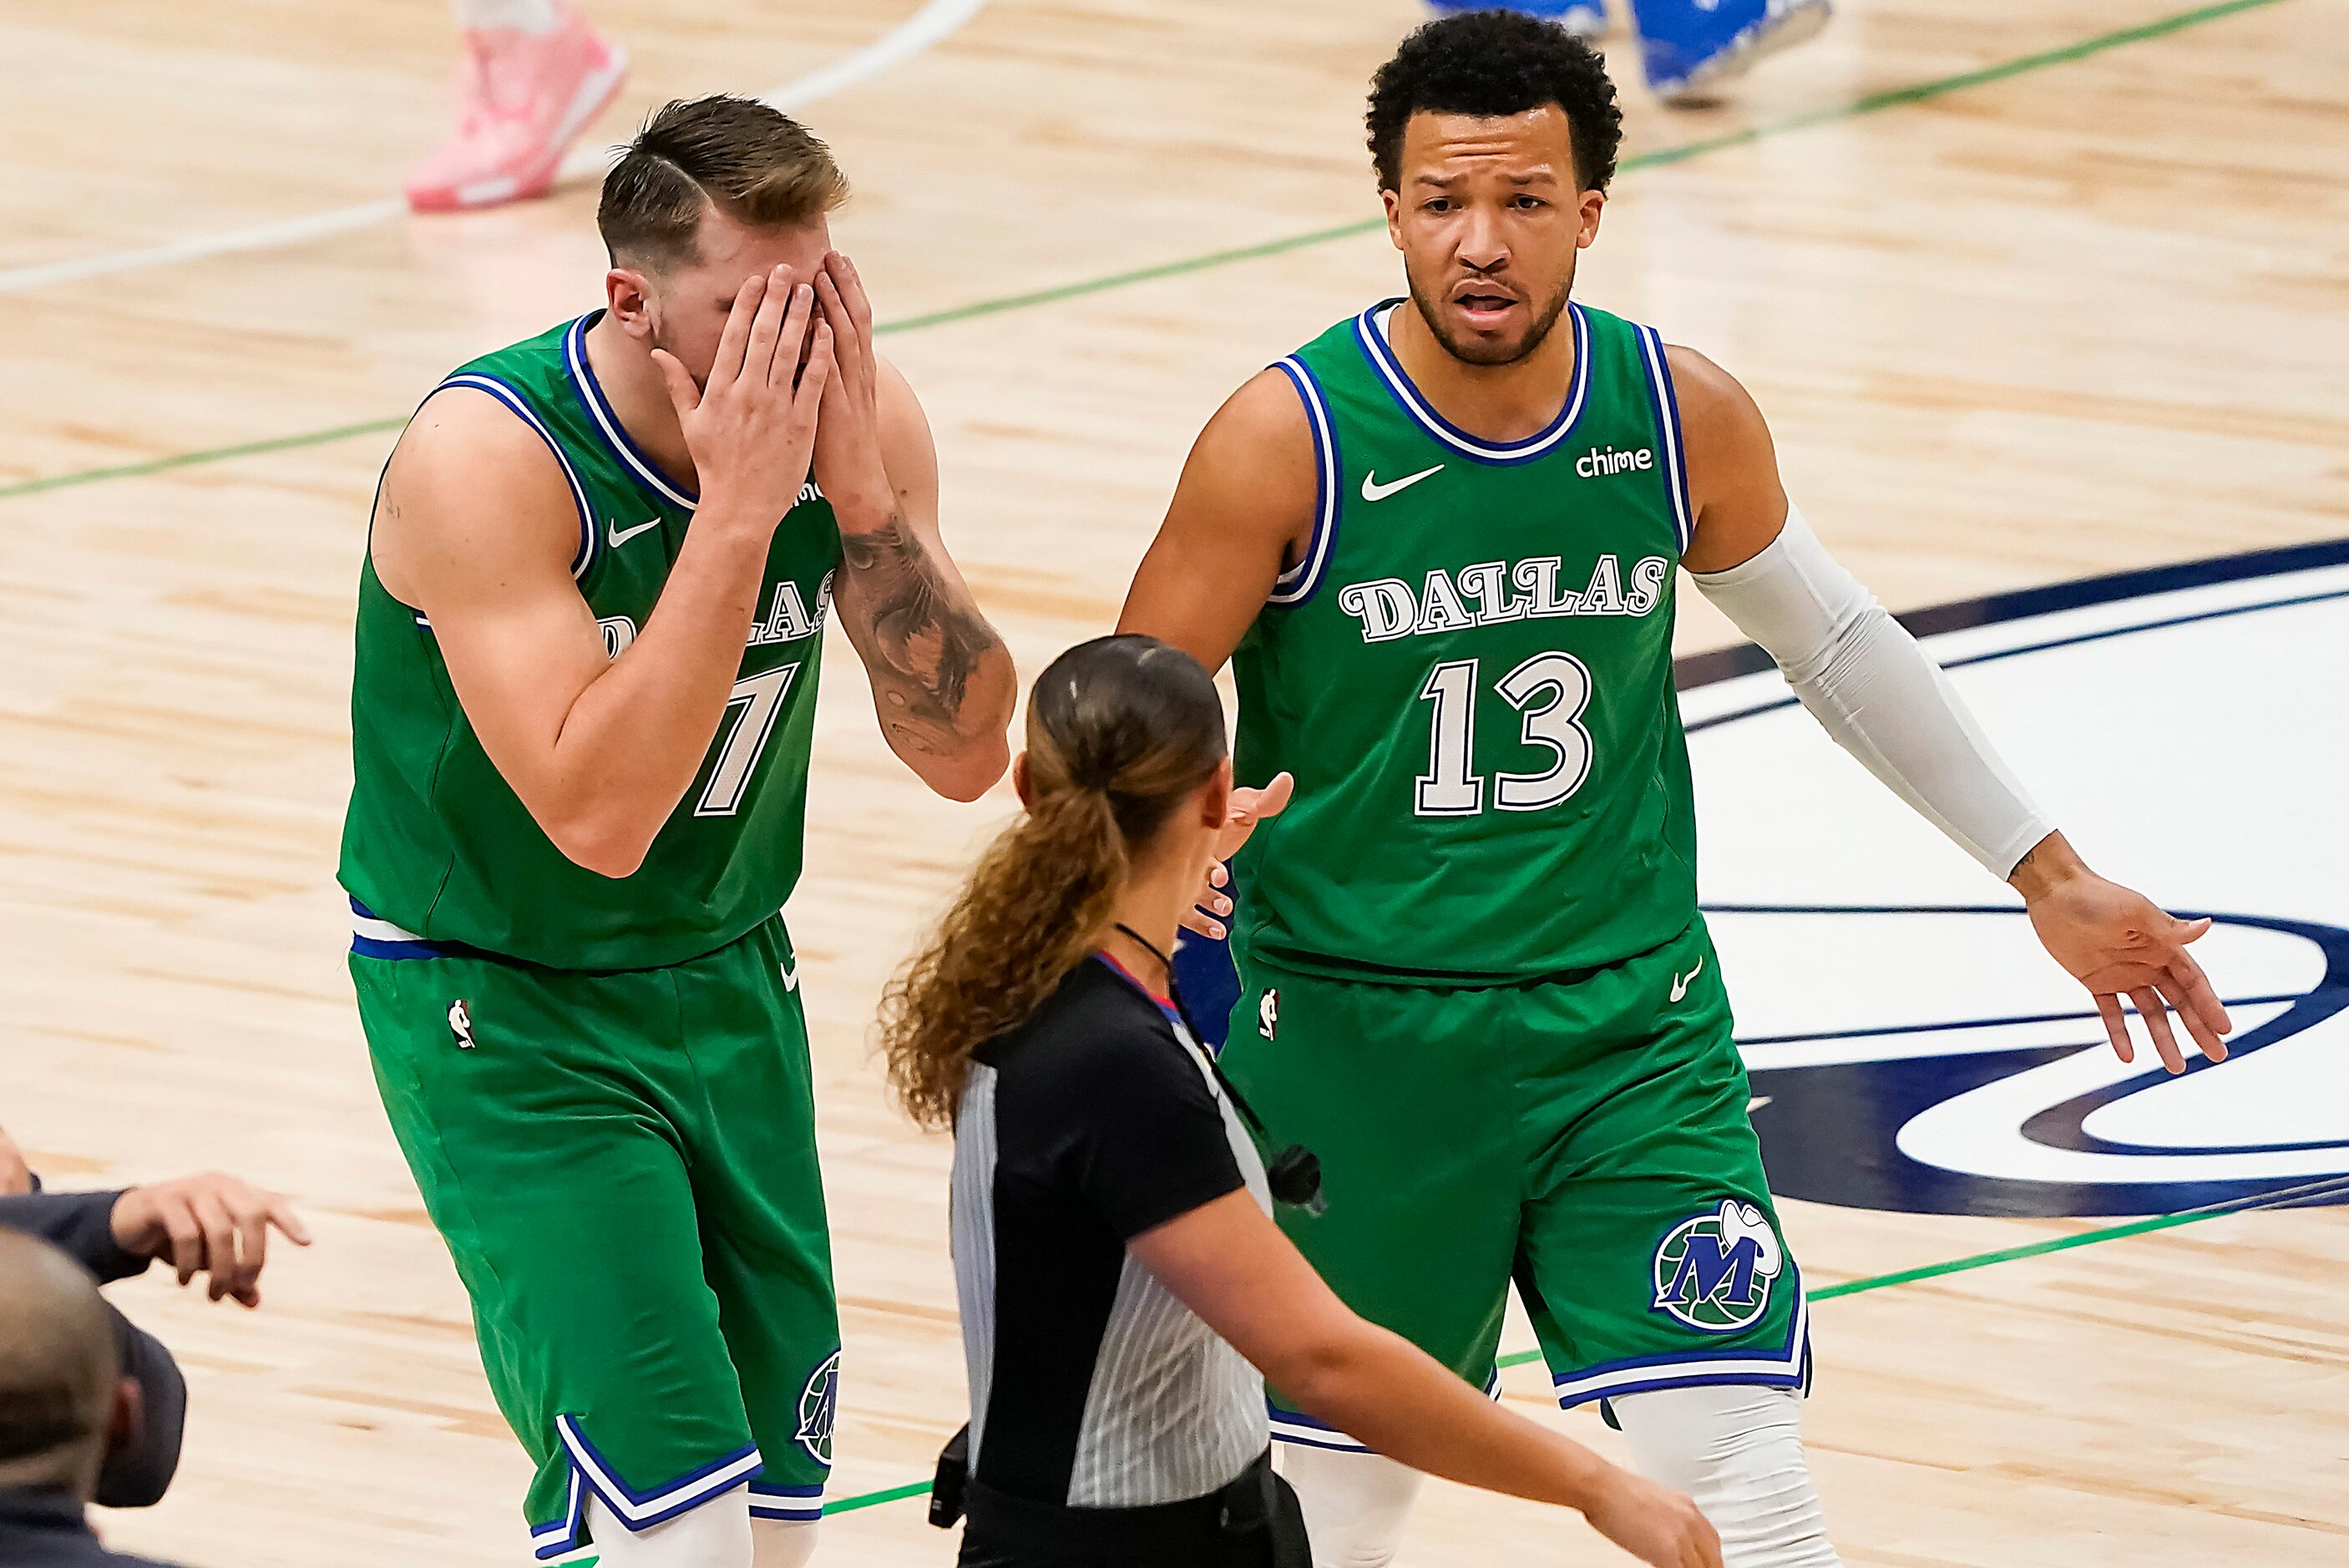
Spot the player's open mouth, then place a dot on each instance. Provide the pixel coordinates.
(1483, 308)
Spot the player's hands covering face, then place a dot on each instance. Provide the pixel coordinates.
(848, 464)
(751, 426)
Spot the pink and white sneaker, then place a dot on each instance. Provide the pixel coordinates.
(526, 99)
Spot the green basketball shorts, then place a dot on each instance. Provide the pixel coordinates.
(1586, 1138)
(623, 1165)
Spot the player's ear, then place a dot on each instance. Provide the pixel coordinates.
(629, 299)
(1594, 203)
(1019, 779)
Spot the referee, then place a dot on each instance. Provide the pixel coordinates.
(1123, 1288)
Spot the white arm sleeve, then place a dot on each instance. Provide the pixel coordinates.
(1869, 685)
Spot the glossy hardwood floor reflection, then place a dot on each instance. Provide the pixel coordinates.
(2085, 316)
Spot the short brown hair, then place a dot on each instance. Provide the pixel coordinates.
(749, 161)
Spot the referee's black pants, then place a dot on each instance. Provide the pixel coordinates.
(1254, 1522)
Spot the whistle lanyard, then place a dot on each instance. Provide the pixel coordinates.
(1294, 1175)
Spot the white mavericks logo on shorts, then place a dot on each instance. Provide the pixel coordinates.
(819, 1406)
(1713, 1270)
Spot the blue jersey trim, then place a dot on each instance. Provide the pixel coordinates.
(372, 936)
(561, 1535)
(1782, 1367)
(504, 392)
(642, 1510)
(368, 948)
(1380, 353)
(607, 423)
(799, 1504)
(1296, 584)
(1667, 407)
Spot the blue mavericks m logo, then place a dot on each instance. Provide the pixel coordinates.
(1714, 1271)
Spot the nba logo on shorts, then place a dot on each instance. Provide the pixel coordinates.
(1713, 1270)
(1268, 1013)
(819, 1405)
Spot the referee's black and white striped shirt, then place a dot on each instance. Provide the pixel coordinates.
(1090, 1384)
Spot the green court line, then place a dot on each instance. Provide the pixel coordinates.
(872, 1498)
(1981, 1261)
(208, 455)
(1827, 1292)
(1871, 103)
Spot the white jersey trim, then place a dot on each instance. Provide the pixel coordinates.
(1668, 425)
(1780, 1369)
(1296, 584)
(607, 423)
(1382, 357)
(476, 381)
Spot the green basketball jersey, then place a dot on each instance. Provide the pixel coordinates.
(437, 848)
(1470, 674)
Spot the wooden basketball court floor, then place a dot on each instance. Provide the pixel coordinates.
(2031, 291)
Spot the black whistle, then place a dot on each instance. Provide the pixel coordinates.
(1294, 1178)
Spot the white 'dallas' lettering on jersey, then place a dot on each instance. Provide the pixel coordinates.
(619, 633)
(1493, 591)
(1600, 462)
(788, 619)
(808, 492)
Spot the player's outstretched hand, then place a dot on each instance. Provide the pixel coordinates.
(2117, 941)
(1655, 1523)
(751, 427)
(1248, 807)
(212, 1225)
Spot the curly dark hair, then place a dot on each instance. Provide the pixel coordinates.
(1496, 63)
(1120, 730)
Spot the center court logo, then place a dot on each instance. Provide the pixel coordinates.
(819, 1406)
(1713, 1270)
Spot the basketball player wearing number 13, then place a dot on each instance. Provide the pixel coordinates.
(1438, 542)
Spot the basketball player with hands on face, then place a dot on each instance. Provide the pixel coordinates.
(590, 622)
(1439, 543)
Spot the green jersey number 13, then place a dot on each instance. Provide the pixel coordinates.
(1550, 690)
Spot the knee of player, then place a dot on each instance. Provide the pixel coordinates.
(782, 1543)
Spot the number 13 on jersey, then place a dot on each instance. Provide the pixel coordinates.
(1550, 691)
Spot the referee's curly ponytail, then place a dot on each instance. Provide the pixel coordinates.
(1120, 730)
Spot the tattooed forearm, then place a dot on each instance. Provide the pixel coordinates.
(926, 639)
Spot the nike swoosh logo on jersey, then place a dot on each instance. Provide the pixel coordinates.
(619, 536)
(790, 977)
(1373, 490)
(1680, 982)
